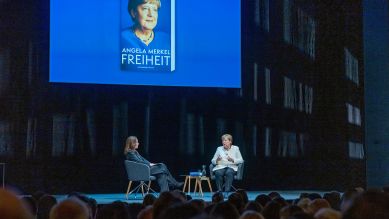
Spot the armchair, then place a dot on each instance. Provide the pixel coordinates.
(141, 173)
(238, 176)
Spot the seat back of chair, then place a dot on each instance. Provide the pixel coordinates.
(137, 171)
(238, 175)
(211, 174)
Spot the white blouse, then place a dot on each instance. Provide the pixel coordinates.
(233, 153)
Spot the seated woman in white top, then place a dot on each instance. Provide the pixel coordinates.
(226, 159)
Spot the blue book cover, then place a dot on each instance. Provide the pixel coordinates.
(197, 173)
(147, 39)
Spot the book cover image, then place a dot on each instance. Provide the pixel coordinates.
(147, 39)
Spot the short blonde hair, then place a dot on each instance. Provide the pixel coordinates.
(227, 136)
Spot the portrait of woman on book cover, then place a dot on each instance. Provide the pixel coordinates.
(144, 45)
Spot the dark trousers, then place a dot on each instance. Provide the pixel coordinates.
(164, 177)
(227, 174)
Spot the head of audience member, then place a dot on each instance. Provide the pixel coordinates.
(334, 199)
(91, 204)
(251, 215)
(372, 204)
(217, 197)
(272, 210)
(244, 195)
(314, 196)
(224, 210)
(295, 201)
(31, 204)
(301, 215)
(82, 197)
(146, 213)
(165, 200)
(198, 203)
(114, 210)
(316, 205)
(304, 195)
(149, 199)
(253, 206)
(180, 211)
(290, 210)
(274, 195)
(134, 209)
(45, 204)
(180, 195)
(347, 198)
(12, 207)
(262, 199)
(236, 200)
(209, 208)
(71, 208)
(202, 216)
(327, 213)
(304, 203)
(281, 201)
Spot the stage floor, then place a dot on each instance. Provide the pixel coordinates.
(137, 198)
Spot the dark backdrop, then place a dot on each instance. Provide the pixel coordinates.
(66, 137)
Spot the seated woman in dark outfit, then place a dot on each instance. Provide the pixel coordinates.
(158, 170)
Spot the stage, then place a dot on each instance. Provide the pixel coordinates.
(137, 198)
